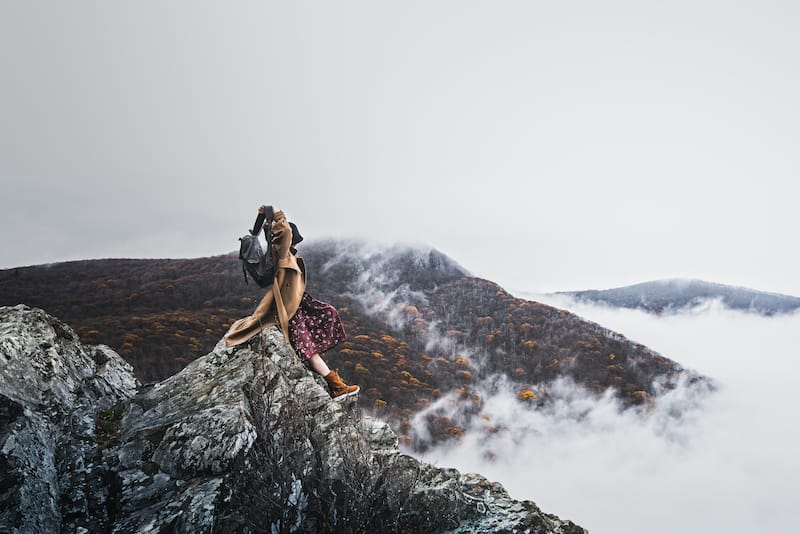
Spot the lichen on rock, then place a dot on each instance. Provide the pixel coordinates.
(51, 387)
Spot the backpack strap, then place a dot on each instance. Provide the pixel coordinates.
(258, 224)
(269, 212)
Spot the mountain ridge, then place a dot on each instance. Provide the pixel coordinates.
(676, 294)
(420, 328)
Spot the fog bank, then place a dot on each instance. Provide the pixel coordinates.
(694, 462)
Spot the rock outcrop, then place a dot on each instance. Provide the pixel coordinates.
(244, 439)
(51, 389)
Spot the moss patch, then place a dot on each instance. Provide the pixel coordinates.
(107, 427)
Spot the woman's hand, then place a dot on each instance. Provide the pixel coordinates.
(261, 209)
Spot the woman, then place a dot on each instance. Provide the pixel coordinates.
(311, 326)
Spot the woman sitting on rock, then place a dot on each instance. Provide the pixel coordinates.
(311, 326)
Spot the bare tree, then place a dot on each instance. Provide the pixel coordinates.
(372, 490)
(279, 468)
(293, 485)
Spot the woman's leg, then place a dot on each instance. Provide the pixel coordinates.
(318, 365)
(335, 384)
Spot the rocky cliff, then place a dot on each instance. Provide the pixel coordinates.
(244, 439)
(51, 389)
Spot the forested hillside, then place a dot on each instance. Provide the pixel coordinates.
(419, 326)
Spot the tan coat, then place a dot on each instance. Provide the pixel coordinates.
(290, 279)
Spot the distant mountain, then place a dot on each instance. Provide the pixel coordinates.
(666, 296)
(420, 327)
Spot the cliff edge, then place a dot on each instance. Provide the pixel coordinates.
(244, 439)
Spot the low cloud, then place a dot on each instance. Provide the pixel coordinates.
(694, 461)
(379, 291)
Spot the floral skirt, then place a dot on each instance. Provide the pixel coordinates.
(315, 328)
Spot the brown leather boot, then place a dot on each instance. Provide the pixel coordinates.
(339, 390)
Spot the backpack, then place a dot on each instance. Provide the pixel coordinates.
(255, 260)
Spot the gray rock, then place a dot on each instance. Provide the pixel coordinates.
(244, 439)
(51, 388)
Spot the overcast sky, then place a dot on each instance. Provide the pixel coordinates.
(543, 145)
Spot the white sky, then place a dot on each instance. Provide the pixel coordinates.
(543, 145)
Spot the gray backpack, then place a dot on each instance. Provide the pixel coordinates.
(256, 261)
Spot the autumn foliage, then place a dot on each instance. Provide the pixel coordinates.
(162, 314)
